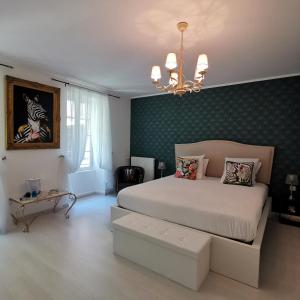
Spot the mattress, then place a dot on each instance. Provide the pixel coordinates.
(208, 205)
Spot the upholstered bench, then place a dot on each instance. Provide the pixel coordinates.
(179, 253)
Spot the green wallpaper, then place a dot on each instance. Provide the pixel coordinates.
(260, 113)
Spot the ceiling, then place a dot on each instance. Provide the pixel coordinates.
(114, 43)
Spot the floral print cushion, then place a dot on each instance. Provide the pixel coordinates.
(186, 168)
(239, 173)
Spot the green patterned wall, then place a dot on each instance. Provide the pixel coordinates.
(260, 113)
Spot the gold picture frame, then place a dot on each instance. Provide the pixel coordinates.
(33, 115)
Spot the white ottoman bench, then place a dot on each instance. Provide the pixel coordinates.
(177, 252)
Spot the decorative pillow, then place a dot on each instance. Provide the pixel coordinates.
(239, 173)
(200, 169)
(256, 161)
(186, 168)
(205, 164)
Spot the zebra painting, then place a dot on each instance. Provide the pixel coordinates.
(36, 130)
(33, 115)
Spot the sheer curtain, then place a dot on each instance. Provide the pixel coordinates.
(89, 111)
(76, 131)
(101, 141)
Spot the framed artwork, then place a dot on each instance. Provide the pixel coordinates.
(33, 115)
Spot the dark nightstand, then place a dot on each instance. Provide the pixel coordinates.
(290, 212)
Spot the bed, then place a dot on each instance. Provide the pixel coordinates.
(231, 215)
(222, 209)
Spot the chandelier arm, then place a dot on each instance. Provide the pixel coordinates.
(162, 87)
(158, 85)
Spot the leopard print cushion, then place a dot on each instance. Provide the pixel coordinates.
(239, 173)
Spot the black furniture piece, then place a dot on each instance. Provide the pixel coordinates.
(290, 212)
(129, 175)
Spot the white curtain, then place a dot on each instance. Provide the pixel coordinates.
(89, 111)
(101, 141)
(77, 115)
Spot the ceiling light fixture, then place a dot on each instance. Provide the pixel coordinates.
(177, 83)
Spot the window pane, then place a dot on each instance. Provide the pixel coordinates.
(83, 119)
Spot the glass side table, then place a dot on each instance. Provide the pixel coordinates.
(18, 207)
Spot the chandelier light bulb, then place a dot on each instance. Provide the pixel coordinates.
(156, 74)
(171, 61)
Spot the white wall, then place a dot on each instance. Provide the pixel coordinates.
(22, 164)
(44, 163)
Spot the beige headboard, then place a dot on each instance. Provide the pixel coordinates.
(217, 150)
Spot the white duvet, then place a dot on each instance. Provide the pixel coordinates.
(223, 209)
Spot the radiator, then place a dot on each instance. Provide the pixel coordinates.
(147, 163)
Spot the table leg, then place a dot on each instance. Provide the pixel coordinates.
(15, 219)
(23, 220)
(56, 201)
(20, 217)
(14, 212)
(73, 198)
(26, 227)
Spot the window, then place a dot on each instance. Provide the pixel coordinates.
(87, 135)
(85, 123)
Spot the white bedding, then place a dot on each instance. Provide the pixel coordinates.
(226, 210)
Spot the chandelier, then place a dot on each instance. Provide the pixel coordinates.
(177, 84)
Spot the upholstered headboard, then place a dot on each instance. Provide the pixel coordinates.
(217, 150)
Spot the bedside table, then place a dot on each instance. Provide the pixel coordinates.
(289, 212)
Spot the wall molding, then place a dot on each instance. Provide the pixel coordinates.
(228, 84)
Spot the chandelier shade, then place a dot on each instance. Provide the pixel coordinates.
(155, 74)
(171, 61)
(202, 63)
(177, 84)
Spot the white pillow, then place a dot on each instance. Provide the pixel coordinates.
(256, 161)
(200, 170)
(205, 164)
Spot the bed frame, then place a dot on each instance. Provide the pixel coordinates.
(231, 258)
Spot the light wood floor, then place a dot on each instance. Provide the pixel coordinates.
(61, 260)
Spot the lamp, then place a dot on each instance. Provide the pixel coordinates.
(171, 61)
(161, 166)
(177, 83)
(293, 181)
(155, 73)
